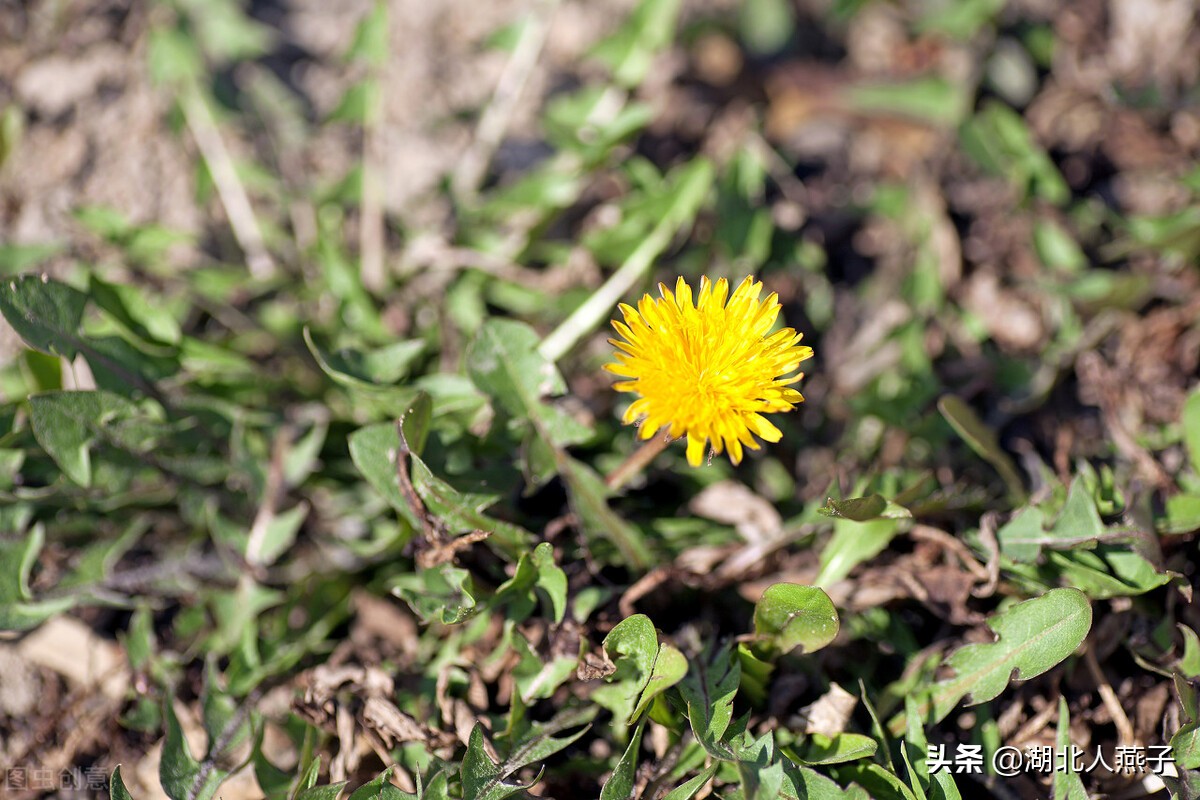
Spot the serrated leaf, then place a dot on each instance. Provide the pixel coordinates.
(328, 792)
(788, 616)
(181, 775)
(1032, 637)
(381, 788)
(540, 742)
(482, 778)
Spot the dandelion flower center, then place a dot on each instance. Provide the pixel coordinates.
(708, 369)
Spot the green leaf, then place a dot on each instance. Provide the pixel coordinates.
(551, 579)
(504, 363)
(708, 691)
(180, 774)
(1078, 524)
(116, 786)
(370, 43)
(275, 783)
(1032, 637)
(1022, 537)
(462, 512)
(444, 593)
(147, 320)
(539, 742)
(537, 680)
(876, 780)
(373, 370)
(853, 543)
(18, 611)
(1189, 662)
(858, 509)
(934, 100)
(589, 500)
(328, 792)
(1056, 248)
(172, 55)
(1191, 428)
(1067, 783)
(766, 25)
(619, 785)
(821, 749)
(374, 450)
(788, 616)
(223, 722)
(381, 788)
(692, 787)
(630, 52)
(1107, 571)
(45, 313)
(812, 785)
(670, 666)
(1182, 514)
(967, 424)
(68, 424)
(632, 645)
(482, 778)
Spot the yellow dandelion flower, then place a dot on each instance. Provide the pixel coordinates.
(708, 369)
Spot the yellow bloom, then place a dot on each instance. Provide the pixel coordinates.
(708, 370)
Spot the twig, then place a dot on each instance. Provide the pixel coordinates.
(947, 542)
(229, 187)
(370, 230)
(494, 121)
(600, 304)
(1125, 734)
(270, 500)
(987, 535)
(1034, 725)
(637, 461)
(1095, 373)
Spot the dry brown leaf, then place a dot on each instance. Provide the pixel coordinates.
(830, 714)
